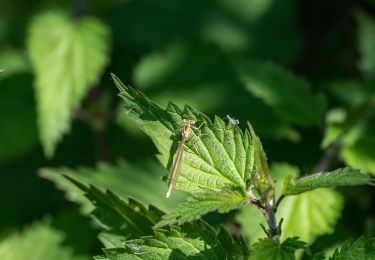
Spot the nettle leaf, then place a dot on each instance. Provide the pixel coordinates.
(202, 203)
(123, 178)
(339, 177)
(270, 250)
(290, 96)
(120, 220)
(362, 248)
(39, 241)
(366, 41)
(68, 56)
(217, 157)
(303, 215)
(191, 240)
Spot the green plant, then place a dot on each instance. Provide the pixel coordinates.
(223, 169)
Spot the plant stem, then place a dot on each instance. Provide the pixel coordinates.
(273, 231)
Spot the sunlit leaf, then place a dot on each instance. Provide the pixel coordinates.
(339, 177)
(68, 57)
(217, 157)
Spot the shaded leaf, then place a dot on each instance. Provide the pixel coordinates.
(290, 96)
(125, 179)
(68, 57)
(120, 220)
(366, 42)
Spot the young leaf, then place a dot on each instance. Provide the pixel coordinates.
(339, 177)
(217, 157)
(270, 250)
(289, 95)
(40, 241)
(68, 57)
(361, 249)
(195, 240)
(303, 215)
(119, 219)
(123, 178)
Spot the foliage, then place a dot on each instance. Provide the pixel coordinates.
(282, 143)
(39, 241)
(82, 50)
(362, 248)
(269, 249)
(303, 215)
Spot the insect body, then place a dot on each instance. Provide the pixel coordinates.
(187, 126)
(233, 121)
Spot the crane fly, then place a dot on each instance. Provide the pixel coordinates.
(187, 126)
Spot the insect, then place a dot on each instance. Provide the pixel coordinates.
(232, 120)
(187, 126)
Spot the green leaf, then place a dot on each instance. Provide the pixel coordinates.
(68, 57)
(195, 240)
(366, 42)
(201, 203)
(290, 96)
(217, 157)
(339, 177)
(39, 241)
(270, 250)
(119, 219)
(303, 215)
(360, 249)
(123, 178)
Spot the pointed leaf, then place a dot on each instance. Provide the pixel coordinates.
(339, 177)
(190, 241)
(126, 219)
(68, 57)
(122, 178)
(303, 215)
(201, 203)
(217, 156)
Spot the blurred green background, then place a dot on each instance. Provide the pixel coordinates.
(302, 72)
